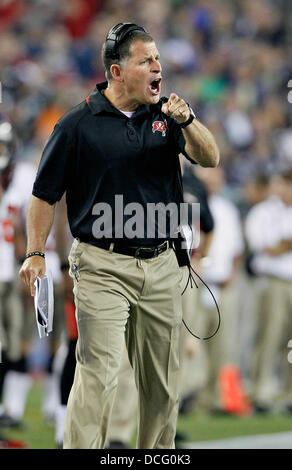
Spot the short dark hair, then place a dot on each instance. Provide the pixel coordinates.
(261, 179)
(123, 50)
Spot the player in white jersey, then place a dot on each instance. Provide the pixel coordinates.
(15, 394)
(17, 383)
(13, 196)
(17, 304)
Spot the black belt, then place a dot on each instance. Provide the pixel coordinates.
(144, 252)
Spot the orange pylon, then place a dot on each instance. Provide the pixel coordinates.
(233, 397)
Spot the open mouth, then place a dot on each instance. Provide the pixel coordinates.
(155, 86)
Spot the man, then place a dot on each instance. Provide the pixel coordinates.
(195, 191)
(219, 270)
(122, 140)
(268, 231)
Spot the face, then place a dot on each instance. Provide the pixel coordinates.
(276, 186)
(141, 73)
(254, 192)
(286, 193)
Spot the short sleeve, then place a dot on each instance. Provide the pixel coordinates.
(53, 172)
(253, 228)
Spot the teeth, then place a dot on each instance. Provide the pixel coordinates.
(154, 86)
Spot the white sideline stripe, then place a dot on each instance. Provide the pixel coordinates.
(281, 440)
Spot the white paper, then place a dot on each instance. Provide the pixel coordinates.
(44, 304)
(187, 234)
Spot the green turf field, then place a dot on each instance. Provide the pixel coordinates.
(197, 426)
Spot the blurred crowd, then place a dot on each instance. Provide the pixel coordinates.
(231, 60)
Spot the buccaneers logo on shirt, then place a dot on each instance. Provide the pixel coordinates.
(159, 126)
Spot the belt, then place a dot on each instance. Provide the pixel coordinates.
(144, 252)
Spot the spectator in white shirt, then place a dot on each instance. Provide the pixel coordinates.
(219, 272)
(269, 235)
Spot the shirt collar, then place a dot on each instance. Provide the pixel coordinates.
(98, 103)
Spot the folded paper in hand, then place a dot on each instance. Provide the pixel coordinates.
(44, 304)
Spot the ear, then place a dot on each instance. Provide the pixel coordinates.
(116, 72)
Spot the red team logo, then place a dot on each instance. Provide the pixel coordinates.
(159, 126)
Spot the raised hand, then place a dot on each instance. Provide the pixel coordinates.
(176, 108)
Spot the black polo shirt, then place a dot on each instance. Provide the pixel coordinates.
(96, 153)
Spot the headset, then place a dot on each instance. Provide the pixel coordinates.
(116, 35)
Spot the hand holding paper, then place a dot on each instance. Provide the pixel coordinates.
(44, 304)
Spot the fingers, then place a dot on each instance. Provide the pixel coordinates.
(181, 110)
(28, 277)
(176, 108)
(166, 106)
(31, 285)
(30, 270)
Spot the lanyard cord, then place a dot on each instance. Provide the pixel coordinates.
(192, 280)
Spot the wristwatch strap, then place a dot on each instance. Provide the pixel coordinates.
(185, 124)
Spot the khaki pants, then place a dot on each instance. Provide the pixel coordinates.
(117, 294)
(274, 331)
(192, 365)
(221, 349)
(124, 415)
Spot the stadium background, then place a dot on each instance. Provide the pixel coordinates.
(231, 60)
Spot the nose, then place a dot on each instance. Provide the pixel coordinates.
(156, 67)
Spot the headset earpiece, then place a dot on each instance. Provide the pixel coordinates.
(116, 35)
